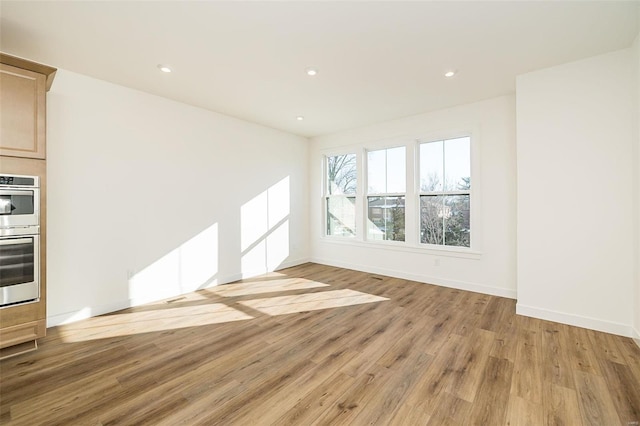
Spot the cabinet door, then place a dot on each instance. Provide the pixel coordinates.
(22, 112)
(22, 333)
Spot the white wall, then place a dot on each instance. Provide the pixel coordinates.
(149, 198)
(493, 269)
(575, 193)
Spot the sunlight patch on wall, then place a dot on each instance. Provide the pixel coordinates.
(277, 246)
(199, 259)
(278, 202)
(253, 261)
(83, 313)
(150, 321)
(264, 233)
(283, 305)
(189, 267)
(254, 220)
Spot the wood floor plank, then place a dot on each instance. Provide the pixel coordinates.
(374, 342)
(423, 355)
(596, 405)
(474, 306)
(505, 345)
(269, 384)
(560, 406)
(383, 406)
(438, 331)
(99, 365)
(605, 347)
(52, 406)
(631, 354)
(315, 403)
(624, 390)
(581, 351)
(469, 364)
(451, 410)
(490, 407)
(199, 408)
(402, 349)
(354, 400)
(271, 408)
(556, 365)
(527, 373)
(522, 412)
(422, 401)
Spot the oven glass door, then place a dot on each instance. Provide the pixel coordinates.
(19, 207)
(19, 269)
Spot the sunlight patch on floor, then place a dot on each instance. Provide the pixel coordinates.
(196, 296)
(150, 321)
(269, 286)
(283, 305)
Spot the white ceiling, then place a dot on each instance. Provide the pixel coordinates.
(377, 60)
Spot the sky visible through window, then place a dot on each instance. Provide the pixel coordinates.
(451, 157)
(387, 171)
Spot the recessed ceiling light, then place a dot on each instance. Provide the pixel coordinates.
(164, 68)
(299, 118)
(312, 71)
(449, 73)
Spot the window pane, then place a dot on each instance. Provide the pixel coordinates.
(386, 218)
(456, 224)
(387, 170)
(431, 166)
(445, 220)
(396, 170)
(431, 219)
(341, 174)
(377, 171)
(457, 164)
(341, 216)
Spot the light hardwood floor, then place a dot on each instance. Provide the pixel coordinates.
(321, 345)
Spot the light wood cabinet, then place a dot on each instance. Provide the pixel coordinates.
(23, 87)
(22, 152)
(21, 325)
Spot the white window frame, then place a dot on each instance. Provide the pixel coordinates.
(473, 193)
(412, 243)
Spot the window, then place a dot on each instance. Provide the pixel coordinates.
(387, 181)
(340, 195)
(445, 192)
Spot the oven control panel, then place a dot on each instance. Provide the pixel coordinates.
(15, 180)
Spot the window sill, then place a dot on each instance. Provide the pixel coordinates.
(459, 252)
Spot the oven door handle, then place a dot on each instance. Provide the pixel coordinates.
(11, 241)
(8, 192)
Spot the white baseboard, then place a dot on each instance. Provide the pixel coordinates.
(292, 263)
(87, 312)
(635, 335)
(576, 320)
(460, 285)
(256, 272)
(92, 311)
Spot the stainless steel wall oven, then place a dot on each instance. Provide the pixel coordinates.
(19, 239)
